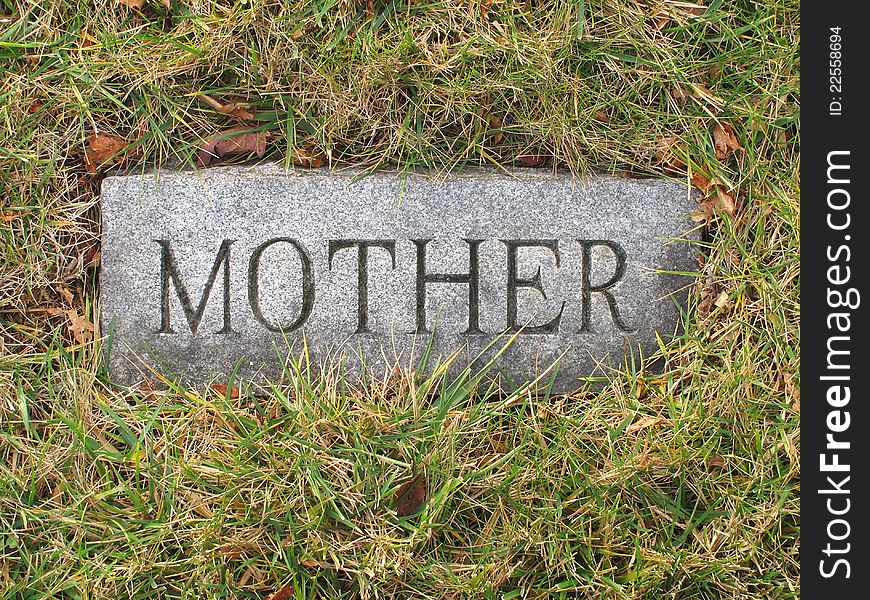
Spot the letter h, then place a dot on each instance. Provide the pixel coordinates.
(472, 278)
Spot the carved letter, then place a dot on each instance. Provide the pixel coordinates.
(169, 273)
(588, 289)
(514, 282)
(362, 319)
(471, 278)
(307, 286)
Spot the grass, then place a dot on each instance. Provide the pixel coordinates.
(681, 484)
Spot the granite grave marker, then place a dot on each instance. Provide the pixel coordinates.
(204, 270)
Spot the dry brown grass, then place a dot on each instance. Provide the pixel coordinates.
(677, 485)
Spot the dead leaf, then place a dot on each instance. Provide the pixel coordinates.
(495, 122)
(793, 391)
(235, 140)
(648, 461)
(66, 293)
(237, 110)
(92, 257)
(498, 440)
(644, 422)
(661, 21)
(221, 390)
(719, 202)
(411, 495)
(313, 159)
(701, 92)
(724, 140)
(310, 563)
(600, 115)
(232, 551)
(666, 152)
(531, 160)
(680, 93)
(724, 201)
(716, 461)
(701, 181)
(722, 300)
(132, 3)
(167, 4)
(80, 327)
(103, 147)
(705, 302)
(285, 593)
(696, 10)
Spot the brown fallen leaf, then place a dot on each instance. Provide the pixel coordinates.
(221, 390)
(701, 181)
(702, 93)
(232, 551)
(792, 390)
(666, 153)
(310, 563)
(92, 257)
(716, 461)
(724, 140)
(643, 423)
(80, 327)
(498, 441)
(237, 110)
(66, 293)
(411, 495)
(312, 159)
(722, 301)
(718, 202)
(680, 93)
(600, 115)
(495, 122)
(103, 147)
(531, 160)
(235, 140)
(285, 593)
(132, 3)
(706, 299)
(724, 201)
(661, 21)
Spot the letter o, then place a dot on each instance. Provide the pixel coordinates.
(839, 206)
(307, 286)
(845, 523)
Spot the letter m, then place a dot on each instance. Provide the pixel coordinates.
(169, 275)
(833, 353)
(832, 166)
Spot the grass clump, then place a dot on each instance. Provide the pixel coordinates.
(681, 484)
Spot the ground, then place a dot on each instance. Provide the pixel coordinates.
(681, 483)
